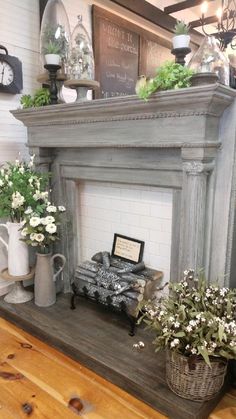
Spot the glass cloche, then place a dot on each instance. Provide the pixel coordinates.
(55, 32)
(210, 59)
(81, 60)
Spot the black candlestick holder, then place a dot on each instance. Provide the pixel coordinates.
(180, 54)
(52, 70)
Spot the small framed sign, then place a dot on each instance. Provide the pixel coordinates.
(127, 248)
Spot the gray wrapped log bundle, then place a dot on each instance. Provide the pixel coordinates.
(115, 283)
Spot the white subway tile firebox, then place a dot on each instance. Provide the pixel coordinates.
(140, 212)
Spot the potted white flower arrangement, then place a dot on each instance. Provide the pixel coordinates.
(41, 230)
(196, 326)
(21, 186)
(181, 37)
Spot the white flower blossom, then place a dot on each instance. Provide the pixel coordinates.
(61, 208)
(32, 236)
(165, 330)
(49, 219)
(21, 170)
(194, 351)
(34, 221)
(10, 183)
(1, 182)
(189, 328)
(51, 208)
(174, 343)
(24, 232)
(51, 228)
(176, 325)
(2, 172)
(40, 195)
(193, 323)
(28, 211)
(17, 200)
(34, 244)
(39, 237)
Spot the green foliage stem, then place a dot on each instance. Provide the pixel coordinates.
(40, 98)
(169, 76)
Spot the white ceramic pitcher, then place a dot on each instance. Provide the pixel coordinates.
(45, 279)
(18, 253)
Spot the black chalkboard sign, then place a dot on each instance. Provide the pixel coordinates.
(152, 56)
(116, 56)
(123, 51)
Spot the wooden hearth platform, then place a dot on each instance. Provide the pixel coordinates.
(99, 339)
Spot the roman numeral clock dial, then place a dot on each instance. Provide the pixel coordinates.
(10, 73)
(6, 74)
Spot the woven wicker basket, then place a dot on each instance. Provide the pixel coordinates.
(200, 384)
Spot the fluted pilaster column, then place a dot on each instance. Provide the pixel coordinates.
(194, 201)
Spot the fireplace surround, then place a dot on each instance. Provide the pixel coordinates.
(182, 140)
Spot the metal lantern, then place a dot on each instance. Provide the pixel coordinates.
(210, 63)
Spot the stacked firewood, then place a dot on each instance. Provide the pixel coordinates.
(116, 283)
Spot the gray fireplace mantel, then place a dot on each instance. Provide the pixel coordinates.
(180, 139)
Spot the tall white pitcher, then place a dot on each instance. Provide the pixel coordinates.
(18, 253)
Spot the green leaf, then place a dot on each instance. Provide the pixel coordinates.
(179, 334)
(221, 332)
(204, 354)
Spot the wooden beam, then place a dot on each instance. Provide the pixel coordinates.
(182, 6)
(154, 14)
(207, 21)
(149, 12)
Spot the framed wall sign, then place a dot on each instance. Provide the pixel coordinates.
(123, 51)
(127, 248)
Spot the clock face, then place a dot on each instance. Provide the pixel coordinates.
(6, 73)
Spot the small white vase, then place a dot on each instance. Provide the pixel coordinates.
(18, 253)
(52, 59)
(181, 41)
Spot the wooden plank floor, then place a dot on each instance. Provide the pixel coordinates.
(99, 340)
(37, 381)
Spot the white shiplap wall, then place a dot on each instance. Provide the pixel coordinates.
(19, 33)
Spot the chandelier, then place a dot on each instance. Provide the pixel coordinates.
(226, 22)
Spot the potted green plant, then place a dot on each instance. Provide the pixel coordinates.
(41, 97)
(181, 37)
(169, 76)
(54, 40)
(196, 326)
(51, 53)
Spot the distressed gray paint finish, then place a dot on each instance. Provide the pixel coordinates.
(178, 139)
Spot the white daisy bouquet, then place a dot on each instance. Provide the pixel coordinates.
(21, 186)
(41, 228)
(196, 319)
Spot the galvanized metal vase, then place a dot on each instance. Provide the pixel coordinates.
(45, 279)
(18, 253)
